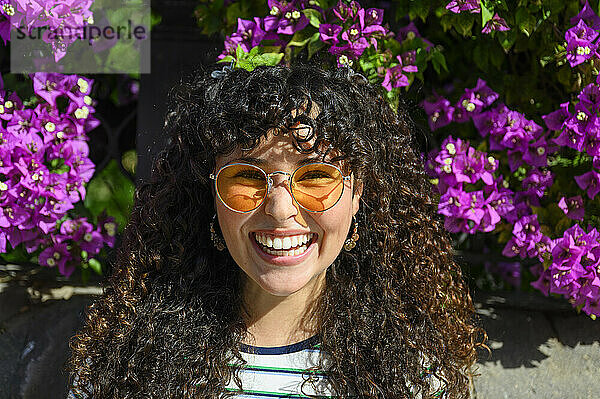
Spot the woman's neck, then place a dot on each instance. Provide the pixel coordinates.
(281, 320)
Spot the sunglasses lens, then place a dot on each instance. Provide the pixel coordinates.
(317, 187)
(242, 187)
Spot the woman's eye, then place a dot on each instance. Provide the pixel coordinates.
(250, 174)
(315, 174)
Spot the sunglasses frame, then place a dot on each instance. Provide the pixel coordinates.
(269, 179)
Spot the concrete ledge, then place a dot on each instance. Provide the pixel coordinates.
(540, 349)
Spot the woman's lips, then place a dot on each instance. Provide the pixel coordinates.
(284, 260)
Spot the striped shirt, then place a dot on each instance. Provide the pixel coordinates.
(278, 372)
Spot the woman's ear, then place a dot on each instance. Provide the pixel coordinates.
(356, 196)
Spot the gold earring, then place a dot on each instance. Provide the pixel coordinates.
(217, 240)
(350, 243)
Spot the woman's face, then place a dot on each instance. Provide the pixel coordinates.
(280, 218)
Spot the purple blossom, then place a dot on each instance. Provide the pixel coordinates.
(292, 21)
(579, 50)
(249, 34)
(542, 284)
(575, 268)
(572, 207)
(527, 239)
(374, 16)
(458, 6)
(329, 33)
(588, 16)
(556, 119)
(537, 152)
(537, 181)
(581, 32)
(591, 142)
(473, 101)
(57, 255)
(496, 23)
(499, 198)
(460, 208)
(45, 161)
(589, 182)
(590, 97)
(439, 112)
(346, 11)
(54, 17)
(394, 76)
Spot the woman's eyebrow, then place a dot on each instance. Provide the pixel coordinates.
(261, 161)
(250, 160)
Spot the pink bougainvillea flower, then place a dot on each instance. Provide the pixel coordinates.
(590, 182)
(588, 15)
(572, 207)
(458, 6)
(496, 23)
(395, 77)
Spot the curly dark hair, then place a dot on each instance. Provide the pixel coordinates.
(169, 321)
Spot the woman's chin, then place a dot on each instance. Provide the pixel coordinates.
(282, 288)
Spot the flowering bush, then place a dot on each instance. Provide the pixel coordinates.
(50, 15)
(513, 102)
(44, 167)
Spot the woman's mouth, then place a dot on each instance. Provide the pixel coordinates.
(292, 245)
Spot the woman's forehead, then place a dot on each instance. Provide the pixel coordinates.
(281, 147)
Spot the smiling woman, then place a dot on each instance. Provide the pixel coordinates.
(287, 245)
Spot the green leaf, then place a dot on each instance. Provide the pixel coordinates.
(419, 9)
(447, 22)
(481, 56)
(155, 18)
(546, 60)
(233, 12)
(299, 39)
(313, 16)
(464, 24)
(123, 57)
(507, 39)
(95, 266)
(525, 21)
(110, 190)
(314, 44)
(239, 52)
(85, 275)
(226, 59)
(496, 55)
(271, 59)
(438, 60)
(61, 169)
(486, 14)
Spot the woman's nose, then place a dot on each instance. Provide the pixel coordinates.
(279, 202)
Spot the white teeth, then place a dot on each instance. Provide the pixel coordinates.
(294, 252)
(284, 246)
(287, 243)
